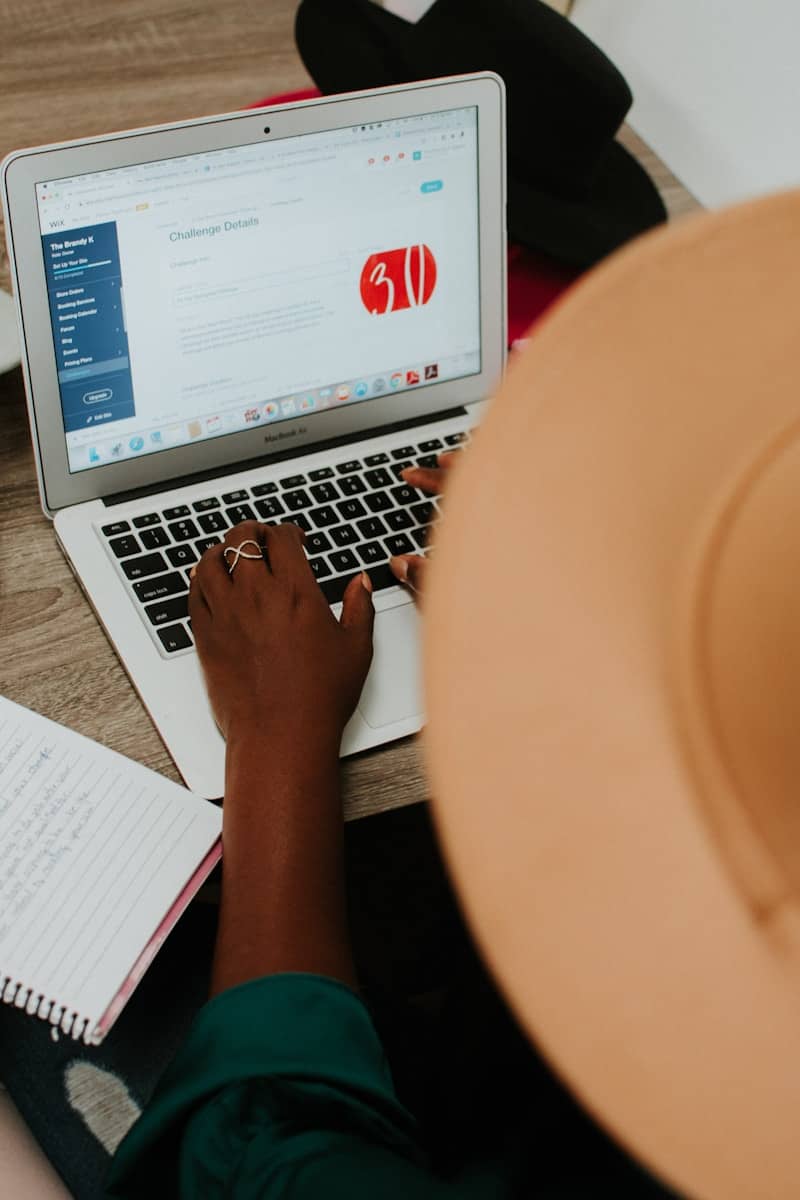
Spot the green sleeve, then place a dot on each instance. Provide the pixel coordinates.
(281, 1090)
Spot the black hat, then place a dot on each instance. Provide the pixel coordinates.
(573, 191)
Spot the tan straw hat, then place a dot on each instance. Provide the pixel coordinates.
(613, 675)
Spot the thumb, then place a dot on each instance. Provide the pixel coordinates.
(358, 611)
(410, 570)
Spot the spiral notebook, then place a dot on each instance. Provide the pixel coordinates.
(99, 857)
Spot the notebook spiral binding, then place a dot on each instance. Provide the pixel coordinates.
(71, 1024)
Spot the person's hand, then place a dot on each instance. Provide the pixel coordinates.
(277, 663)
(409, 569)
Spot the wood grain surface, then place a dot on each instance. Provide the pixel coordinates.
(71, 70)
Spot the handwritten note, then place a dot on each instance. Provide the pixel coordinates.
(94, 850)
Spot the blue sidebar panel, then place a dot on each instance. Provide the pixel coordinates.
(84, 286)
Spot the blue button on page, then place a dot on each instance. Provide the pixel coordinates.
(433, 185)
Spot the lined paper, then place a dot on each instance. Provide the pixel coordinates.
(94, 851)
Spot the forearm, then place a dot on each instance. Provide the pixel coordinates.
(283, 897)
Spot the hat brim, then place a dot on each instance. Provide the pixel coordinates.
(621, 203)
(643, 932)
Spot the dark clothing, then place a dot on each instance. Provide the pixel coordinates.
(283, 1090)
(467, 1092)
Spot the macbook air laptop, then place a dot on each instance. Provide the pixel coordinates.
(267, 314)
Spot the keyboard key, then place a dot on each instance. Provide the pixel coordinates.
(371, 552)
(399, 519)
(154, 539)
(405, 494)
(271, 507)
(428, 460)
(294, 501)
(375, 460)
(317, 543)
(237, 497)
(420, 535)
(182, 531)
(347, 468)
(180, 556)
(382, 577)
(334, 589)
(123, 546)
(204, 505)
(344, 560)
(174, 637)
(352, 485)
(398, 468)
(378, 502)
(404, 452)
(422, 513)
(175, 514)
(350, 509)
(265, 489)
(324, 516)
(320, 473)
(146, 564)
(299, 519)
(379, 478)
(168, 610)
(292, 481)
(344, 535)
(399, 543)
(320, 568)
(212, 522)
(161, 585)
(455, 439)
(205, 543)
(240, 512)
(430, 446)
(146, 520)
(373, 527)
(116, 528)
(323, 493)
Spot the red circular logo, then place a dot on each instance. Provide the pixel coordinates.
(397, 279)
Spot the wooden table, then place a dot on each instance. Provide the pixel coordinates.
(90, 68)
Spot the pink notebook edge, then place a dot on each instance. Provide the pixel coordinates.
(162, 932)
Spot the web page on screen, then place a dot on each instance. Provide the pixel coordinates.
(199, 296)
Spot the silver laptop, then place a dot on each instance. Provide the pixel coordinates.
(267, 314)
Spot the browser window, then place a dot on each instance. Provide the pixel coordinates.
(201, 295)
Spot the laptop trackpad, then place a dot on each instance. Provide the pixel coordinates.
(393, 690)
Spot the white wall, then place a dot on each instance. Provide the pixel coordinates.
(412, 10)
(716, 86)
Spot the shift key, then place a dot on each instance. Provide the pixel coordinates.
(173, 609)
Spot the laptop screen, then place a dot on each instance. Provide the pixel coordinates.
(194, 297)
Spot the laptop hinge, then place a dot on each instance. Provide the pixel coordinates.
(267, 460)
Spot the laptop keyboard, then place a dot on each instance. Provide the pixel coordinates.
(355, 514)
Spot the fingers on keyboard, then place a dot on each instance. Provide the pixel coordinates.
(355, 515)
